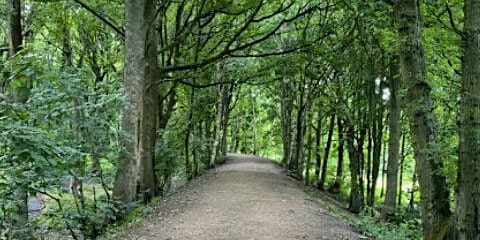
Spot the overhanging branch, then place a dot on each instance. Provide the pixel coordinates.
(102, 18)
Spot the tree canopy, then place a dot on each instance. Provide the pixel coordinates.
(107, 105)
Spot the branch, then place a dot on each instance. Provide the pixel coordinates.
(102, 18)
(266, 54)
(4, 98)
(452, 20)
(228, 51)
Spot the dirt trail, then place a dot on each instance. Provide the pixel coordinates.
(246, 198)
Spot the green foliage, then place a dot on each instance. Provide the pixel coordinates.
(54, 136)
(407, 229)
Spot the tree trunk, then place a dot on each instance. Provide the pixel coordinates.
(336, 186)
(355, 203)
(384, 168)
(323, 177)
(254, 116)
(434, 191)
(308, 122)
(139, 115)
(468, 200)
(295, 168)
(227, 99)
(318, 154)
(402, 163)
(368, 172)
(189, 166)
(376, 154)
(20, 95)
(218, 133)
(395, 127)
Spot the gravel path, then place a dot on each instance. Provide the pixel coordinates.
(247, 198)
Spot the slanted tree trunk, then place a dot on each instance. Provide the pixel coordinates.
(139, 115)
(468, 200)
(395, 127)
(321, 183)
(434, 193)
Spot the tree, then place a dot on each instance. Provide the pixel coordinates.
(435, 203)
(468, 199)
(139, 115)
(20, 96)
(395, 127)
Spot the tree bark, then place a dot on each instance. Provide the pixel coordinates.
(468, 199)
(395, 127)
(323, 177)
(377, 148)
(337, 184)
(318, 154)
(434, 192)
(355, 155)
(139, 115)
(227, 99)
(402, 163)
(218, 126)
(295, 166)
(19, 219)
(286, 109)
(308, 123)
(254, 116)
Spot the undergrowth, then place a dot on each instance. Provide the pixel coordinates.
(405, 226)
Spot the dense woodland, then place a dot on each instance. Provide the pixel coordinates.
(107, 105)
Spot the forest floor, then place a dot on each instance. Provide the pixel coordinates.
(246, 198)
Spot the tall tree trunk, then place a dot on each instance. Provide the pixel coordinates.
(368, 172)
(20, 95)
(384, 169)
(227, 99)
(337, 184)
(402, 163)
(395, 127)
(318, 154)
(468, 200)
(323, 177)
(376, 154)
(356, 202)
(189, 166)
(254, 116)
(15, 38)
(434, 193)
(218, 126)
(139, 115)
(309, 147)
(295, 168)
